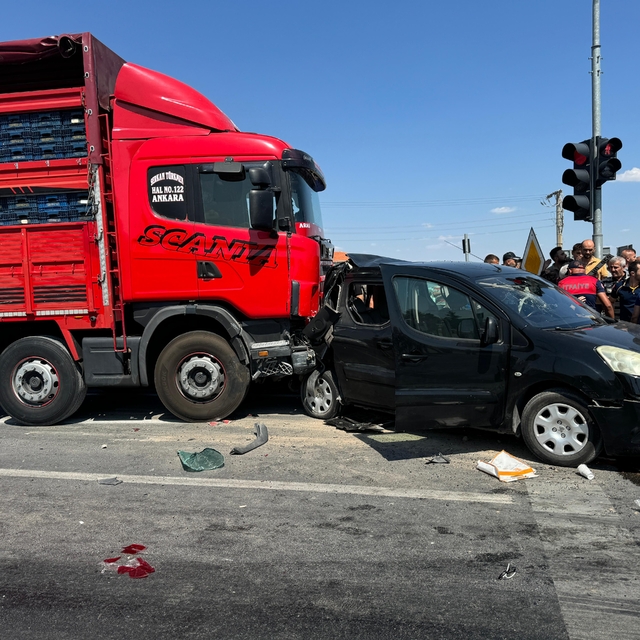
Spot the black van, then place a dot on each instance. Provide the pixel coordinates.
(468, 344)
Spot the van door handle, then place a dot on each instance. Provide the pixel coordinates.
(384, 343)
(413, 357)
(208, 270)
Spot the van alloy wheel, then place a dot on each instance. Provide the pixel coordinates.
(558, 428)
(561, 429)
(320, 395)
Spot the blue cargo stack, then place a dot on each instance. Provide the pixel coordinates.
(61, 206)
(42, 135)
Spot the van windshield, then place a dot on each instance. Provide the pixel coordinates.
(539, 302)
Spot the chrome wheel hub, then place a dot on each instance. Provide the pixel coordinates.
(36, 381)
(200, 377)
(561, 429)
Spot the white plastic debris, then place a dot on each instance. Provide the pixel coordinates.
(507, 468)
(583, 470)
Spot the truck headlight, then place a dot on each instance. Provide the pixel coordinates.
(620, 360)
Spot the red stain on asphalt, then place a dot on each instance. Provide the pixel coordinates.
(135, 567)
(132, 549)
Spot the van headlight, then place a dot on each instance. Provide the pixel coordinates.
(620, 360)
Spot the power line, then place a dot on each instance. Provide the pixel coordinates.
(430, 226)
(345, 231)
(423, 238)
(430, 203)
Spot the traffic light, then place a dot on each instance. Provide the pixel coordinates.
(608, 163)
(579, 178)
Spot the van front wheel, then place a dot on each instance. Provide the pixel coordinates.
(320, 395)
(558, 428)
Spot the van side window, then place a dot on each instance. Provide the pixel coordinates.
(225, 199)
(368, 303)
(167, 191)
(439, 310)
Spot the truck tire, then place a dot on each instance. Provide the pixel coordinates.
(40, 383)
(558, 428)
(320, 395)
(198, 377)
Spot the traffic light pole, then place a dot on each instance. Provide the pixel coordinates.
(596, 200)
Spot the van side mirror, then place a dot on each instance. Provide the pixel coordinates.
(261, 209)
(490, 334)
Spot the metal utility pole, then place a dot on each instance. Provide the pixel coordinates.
(559, 215)
(466, 247)
(596, 119)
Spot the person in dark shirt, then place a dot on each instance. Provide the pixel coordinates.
(626, 291)
(552, 272)
(510, 259)
(587, 289)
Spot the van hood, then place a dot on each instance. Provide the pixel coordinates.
(620, 334)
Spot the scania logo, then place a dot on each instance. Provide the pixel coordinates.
(216, 247)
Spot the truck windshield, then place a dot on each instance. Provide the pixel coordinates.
(538, 302)
(305, 201)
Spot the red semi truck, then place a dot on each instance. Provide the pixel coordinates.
(144, 240)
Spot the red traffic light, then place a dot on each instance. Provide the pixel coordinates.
(610, 146)
(578, 152)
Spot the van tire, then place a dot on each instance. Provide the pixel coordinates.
(40, 383)
(198, 377)
(558, 428)
(320, 395)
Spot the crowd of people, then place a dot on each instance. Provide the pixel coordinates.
(610, 284)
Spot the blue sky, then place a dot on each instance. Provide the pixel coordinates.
(429, 119)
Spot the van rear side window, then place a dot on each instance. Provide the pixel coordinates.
(439, 310)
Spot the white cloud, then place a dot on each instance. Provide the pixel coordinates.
(632, 175)
(427, 225)
(503, 210)
(374, 244)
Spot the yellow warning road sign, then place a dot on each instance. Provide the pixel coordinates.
(533, 258)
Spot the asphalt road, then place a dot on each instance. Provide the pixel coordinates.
(319, 533)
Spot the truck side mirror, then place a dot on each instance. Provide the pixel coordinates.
(490, 335)
(260, 177)
(261, 209)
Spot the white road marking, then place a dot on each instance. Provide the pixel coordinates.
(271, 485)
(582, 535)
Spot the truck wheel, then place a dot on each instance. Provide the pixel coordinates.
(198, 377)
(320, 395)
(39, 381)
(558, 429)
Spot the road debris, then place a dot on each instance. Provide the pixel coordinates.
(204, 460)
(584, 471)
(110, 481)
(439, 459)
(350, 425)
(104, 446)
(133, 565)
(262, 436)
(508, 573)
(507, 468)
